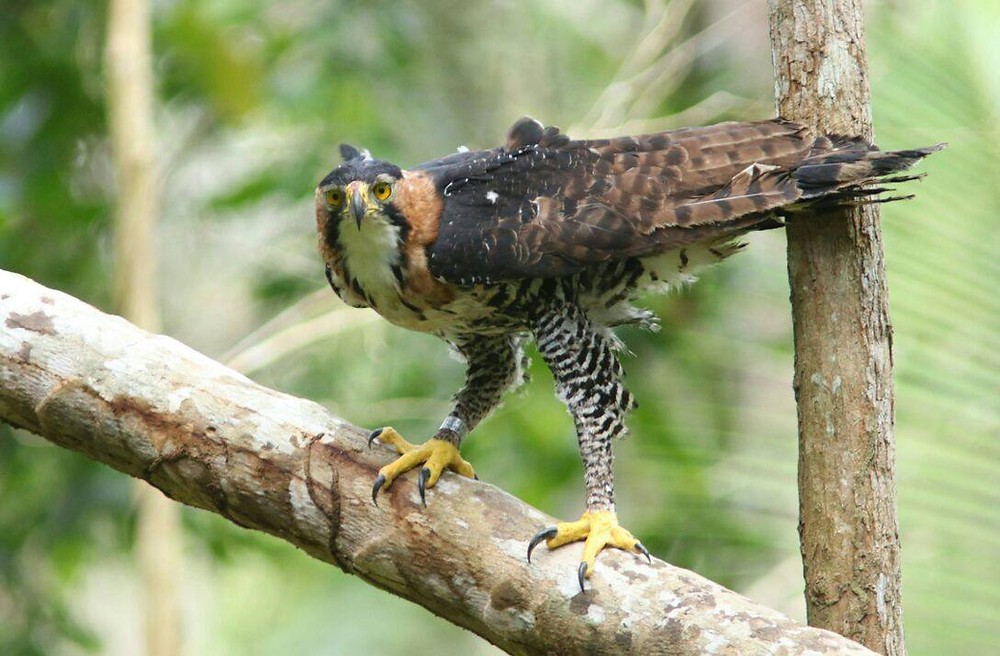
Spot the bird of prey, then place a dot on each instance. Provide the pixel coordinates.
(552, 239)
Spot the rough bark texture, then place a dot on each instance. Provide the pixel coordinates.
(843, 345)
(209, 437)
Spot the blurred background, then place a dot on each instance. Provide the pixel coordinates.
(251, 101)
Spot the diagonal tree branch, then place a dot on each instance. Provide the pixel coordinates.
(211, 438)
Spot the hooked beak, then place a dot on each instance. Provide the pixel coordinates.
(357, 204)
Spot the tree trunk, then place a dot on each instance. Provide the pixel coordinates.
(843, 345)
(209, 437)
(128, 60)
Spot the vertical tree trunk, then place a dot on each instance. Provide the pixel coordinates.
(843, 345)
(130, 120)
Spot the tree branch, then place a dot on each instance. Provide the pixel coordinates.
(211, 438)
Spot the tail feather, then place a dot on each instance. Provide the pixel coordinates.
(836, 172)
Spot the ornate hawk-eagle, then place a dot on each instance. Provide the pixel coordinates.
(552, 239)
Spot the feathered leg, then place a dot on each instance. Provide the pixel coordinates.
(589, 381)
(494, 365)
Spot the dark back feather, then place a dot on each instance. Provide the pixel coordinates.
(544, 205)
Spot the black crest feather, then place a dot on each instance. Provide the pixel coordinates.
(349, 152)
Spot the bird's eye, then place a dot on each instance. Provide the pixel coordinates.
(335, 197)
(382, 190)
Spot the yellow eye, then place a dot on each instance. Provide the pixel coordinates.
(335, 197)
(382, 190)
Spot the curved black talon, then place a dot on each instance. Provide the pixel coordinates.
(543, 534)
(373, 435)
(581, 575)
(422, 479)
(379, 482)
(644, 551)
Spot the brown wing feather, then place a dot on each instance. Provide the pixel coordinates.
(546, 206)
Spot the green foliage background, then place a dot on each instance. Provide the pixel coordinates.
(254, 98)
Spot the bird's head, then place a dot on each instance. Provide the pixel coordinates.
(360, 189)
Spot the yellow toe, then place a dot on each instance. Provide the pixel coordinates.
(604, 532)
(598, 529)
(444, 455)
(390, 436)
(434, 455)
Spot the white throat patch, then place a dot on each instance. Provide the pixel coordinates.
(370, 253)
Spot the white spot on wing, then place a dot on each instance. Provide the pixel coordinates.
(492, 196)
(463, 149)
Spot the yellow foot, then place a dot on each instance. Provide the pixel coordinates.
(435, 456)
(599, 528)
